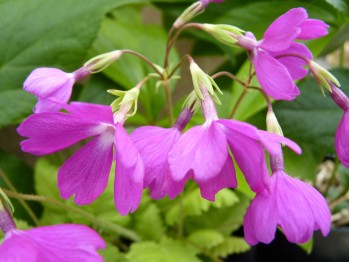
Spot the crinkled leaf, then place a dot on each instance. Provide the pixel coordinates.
(231, 245)
(194, 204)
(149, 223)
(166, 250)
(206, 238)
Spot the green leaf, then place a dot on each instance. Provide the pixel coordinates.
(224, 219)
(206, 238)
(194, 205)
(43, 33)
(14, 106)
(112, 254)
(166, 250)
(149, 224)
(231, 245)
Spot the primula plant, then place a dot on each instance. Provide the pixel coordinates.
(132, 167)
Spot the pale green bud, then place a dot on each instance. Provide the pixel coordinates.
(192, 102)
(226, 34)
(187, 15)
(272, 124)
(322, 76)
(100, 62)
(5, 202)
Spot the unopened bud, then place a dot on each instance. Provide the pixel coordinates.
(187, 15)
(100, 62)
(226, 34)
(322, 76)
(272, 124)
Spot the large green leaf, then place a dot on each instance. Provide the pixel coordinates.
(40, 33)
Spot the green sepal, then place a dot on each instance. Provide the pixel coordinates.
(5, 202)
(125, 97)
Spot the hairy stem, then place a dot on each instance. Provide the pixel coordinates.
(95, 220)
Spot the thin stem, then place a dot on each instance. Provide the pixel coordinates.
(144, 59)
(176, 36)
(169, 102)
(95, 220)
(228, 74)
(167, 50)
(21, 201)
(183, 60)
(341, 56)
(267, 99)
(238, 103)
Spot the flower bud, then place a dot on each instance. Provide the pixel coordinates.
(190, 12)
(272, 124)
(322, 76)
(226, 34)
(100, 62)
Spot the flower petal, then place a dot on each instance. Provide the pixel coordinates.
(284, 30)
(128, 183)
(247, 152)
(50, 132)
(342, 139)
(260, 220)
(86, 173)
(225, 179)
(154, 144)
(202, 149)
(49, 83)
(274, 77)
(312, 28)
(295, 65)
(16, 248)
(93, 112)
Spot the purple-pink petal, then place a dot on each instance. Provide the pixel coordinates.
(295, 206)
(202, 149)
(69, 243)
(52, 131)
(86, 173)
(92, 112)
(312, 28)
(342, 139)
(49, 83)
(128, 183)
(225, 179)
(294, 65)
(154, 144)
(284, 30)
(250, 157)
(274, 77)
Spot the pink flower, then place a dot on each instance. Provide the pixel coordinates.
(50, 85)
(277, 58)
(85, 174)
(342, 139)
(68, 243)
(342, 134)
(202, 153)
(154, 144)
(289, 203)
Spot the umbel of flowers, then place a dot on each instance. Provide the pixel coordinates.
(164, 159)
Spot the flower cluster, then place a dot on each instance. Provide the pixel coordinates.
(164, 159)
